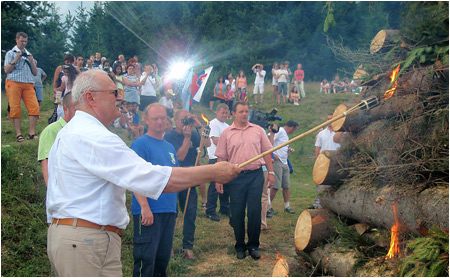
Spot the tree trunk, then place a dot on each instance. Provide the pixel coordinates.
(312, 227)
(328, 169)
(383, 40)
(373, 205)
(352, 122)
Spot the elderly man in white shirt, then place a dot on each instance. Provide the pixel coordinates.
(90, 169)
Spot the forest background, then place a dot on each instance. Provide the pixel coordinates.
(227, 35)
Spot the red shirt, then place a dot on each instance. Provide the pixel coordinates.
(238, 145)
(299, 75)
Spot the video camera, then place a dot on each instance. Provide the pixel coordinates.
(187, 120)
(264, 119)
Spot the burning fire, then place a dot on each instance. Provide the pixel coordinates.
(394, 249)
(389, 93)
(205, 119)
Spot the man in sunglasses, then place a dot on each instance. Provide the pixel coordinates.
(90, 169)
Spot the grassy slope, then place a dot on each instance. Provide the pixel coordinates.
(23, 203)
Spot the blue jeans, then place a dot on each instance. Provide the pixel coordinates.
(189, 218)
(152, 245)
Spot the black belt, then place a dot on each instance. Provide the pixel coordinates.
(250, 171)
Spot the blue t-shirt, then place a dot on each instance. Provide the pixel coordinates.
(176, 139)
(158, 152)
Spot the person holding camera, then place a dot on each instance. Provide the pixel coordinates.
(259, 82)
(19, 85)
(186, 140)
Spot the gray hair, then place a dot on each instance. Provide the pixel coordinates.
(87, 80)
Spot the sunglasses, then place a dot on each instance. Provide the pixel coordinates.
(116, 92)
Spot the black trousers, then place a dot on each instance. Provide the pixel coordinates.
(245, 192)
(211, 203)
(152, 245)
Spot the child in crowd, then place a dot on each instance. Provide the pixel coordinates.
(135, 126)
(325, 87)
(229, 96)
(294, 96)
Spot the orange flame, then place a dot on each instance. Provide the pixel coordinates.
(389, 93)
(394, 249)
(205, 119)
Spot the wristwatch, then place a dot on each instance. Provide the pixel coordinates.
(12, 63)
(272, 173)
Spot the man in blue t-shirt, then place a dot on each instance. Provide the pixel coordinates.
(186, 141)
(154, 220)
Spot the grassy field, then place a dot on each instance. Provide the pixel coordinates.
(23, 202)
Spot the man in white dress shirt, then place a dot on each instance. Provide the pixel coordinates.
(90, 169)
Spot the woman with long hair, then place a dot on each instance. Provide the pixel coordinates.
(131, 85)
(118, 77)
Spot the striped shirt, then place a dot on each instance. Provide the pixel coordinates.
(22, 71)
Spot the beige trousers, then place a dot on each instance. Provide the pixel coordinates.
(264, 202)
(80, 251)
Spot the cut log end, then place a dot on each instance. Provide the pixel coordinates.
(312, 227)
(320, 169)
(383, 39)
(337, 125)
(281, 268)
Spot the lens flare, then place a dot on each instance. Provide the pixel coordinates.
(178, 70)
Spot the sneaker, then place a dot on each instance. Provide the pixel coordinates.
(289, 210)
(269, 214)
(241, 255)
(272, 211)
(296, 103)
(213, 217)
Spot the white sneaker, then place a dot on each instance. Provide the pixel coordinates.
(296, 103)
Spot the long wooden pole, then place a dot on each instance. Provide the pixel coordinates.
(365, 104)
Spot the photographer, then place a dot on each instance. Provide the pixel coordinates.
(21, 69)
(186, 140)
(259, 82)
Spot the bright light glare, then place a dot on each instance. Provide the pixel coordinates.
(178, 70)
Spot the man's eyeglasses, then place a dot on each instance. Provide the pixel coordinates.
(116, 92)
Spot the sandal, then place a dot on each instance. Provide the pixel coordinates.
(32, 136)
(203, 205)
(20, 138)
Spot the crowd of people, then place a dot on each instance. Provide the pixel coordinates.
(87, 168)
(337, 86)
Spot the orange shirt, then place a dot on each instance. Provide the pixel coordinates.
(241, 82)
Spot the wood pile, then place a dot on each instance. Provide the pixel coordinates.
(397, 153)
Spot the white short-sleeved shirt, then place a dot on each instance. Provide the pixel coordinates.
(259, 79)
(148, 89)
(325, 141)
(90, 168)
(216, 129)
(281, 137)
(282, 78)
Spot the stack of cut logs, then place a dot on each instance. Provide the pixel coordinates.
(367, 200)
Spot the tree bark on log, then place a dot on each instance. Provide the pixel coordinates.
(312, 227)
(383, 40)
(373, 206)
(328, 169)
(390, 108)
(340, 262)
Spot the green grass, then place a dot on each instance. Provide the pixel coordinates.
(23, 202)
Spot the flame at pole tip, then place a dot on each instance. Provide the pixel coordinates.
(394, 82)
(205, 119)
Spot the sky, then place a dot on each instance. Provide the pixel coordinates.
(65, 6)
